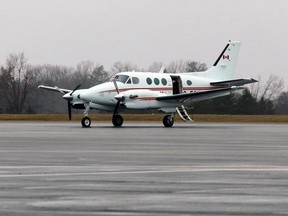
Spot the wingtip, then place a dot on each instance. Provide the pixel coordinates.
(254, 80)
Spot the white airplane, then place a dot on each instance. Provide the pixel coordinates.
(162, 91)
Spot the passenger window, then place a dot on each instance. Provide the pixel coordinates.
(135, 80)
(189, 82)
(156, 81)
(164, 81)
(149, 81)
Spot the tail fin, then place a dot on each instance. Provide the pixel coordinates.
(224, 66)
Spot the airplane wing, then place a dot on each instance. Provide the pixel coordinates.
(236, 82)
(56, 89)
(197, 96)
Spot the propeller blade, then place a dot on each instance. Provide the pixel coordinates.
(75, 89)
(115, 84)
(69, 111)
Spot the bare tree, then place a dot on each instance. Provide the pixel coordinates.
(81, 74)
(281, 104)
(99, 75)
(56, 75)
(18, 79)
(270, 90)
(121, 67)
(182, 66)
(53, 75)
(193, 66)
(155, 67)
(178, 66)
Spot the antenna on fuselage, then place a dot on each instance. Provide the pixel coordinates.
(163, 70)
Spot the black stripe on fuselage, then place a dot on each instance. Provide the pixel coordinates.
(215, 64)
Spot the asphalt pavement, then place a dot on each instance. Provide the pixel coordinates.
(60, 168)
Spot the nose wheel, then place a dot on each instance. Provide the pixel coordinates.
(86, 122)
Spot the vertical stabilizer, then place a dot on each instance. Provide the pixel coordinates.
(224, 66)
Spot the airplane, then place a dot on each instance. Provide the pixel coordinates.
(166, 92)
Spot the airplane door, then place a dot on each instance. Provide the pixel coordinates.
(177, 84)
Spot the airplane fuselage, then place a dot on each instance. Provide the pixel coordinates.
(140, 89)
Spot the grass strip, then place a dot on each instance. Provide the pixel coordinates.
(148, 118)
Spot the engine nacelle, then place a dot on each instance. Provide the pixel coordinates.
(141, 99)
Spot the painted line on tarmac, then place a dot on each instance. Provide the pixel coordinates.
(174, 170)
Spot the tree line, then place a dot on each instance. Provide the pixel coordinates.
(19, 81)
(262, 98)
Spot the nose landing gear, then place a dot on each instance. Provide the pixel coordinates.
(86, 121)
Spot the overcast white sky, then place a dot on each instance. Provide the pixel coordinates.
(144, 31)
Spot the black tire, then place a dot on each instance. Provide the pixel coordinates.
(168, 121)
(117, 120)
(86, 122)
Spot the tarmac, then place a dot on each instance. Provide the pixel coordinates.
(60, 168)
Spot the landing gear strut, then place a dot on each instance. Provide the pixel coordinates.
(117, 119)
(168, 121)
(86, 121)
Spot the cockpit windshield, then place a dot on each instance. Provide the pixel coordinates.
(121, 78)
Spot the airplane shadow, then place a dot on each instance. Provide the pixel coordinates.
(139, 126)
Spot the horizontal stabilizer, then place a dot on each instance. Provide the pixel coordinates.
(236, 82)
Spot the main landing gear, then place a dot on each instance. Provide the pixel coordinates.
(117, 119)
(168, 121)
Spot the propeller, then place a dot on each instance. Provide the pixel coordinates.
(119, 97)
(115, 84)
(78, 86)
(69, 98)
(69, 110)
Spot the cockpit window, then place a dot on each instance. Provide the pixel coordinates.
(129, 81)
(121, 78)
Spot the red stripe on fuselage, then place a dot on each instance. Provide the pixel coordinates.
(165, 89)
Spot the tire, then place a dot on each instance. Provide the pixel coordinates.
(117, 120)
(86, 122)
(168, 121)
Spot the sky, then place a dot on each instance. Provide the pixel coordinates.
(66, 32)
